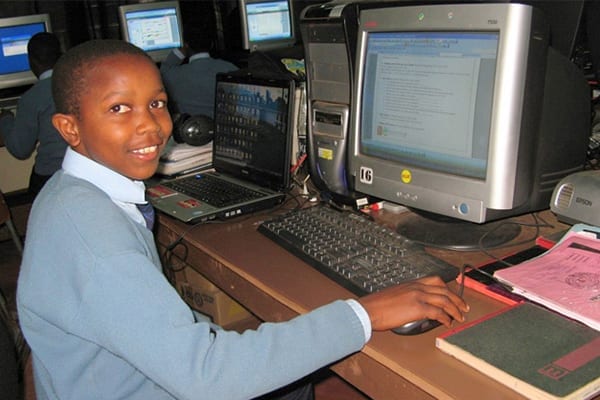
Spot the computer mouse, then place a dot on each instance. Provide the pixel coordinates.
(417, 327)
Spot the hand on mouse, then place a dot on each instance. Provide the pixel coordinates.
(427, 297)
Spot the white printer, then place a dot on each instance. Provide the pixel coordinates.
(576, 198)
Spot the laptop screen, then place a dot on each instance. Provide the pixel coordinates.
(253, 135)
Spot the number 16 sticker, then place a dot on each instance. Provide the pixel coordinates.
(366, 175)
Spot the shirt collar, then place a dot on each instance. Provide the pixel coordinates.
(117, 186)
(45, 74)
(198, 56)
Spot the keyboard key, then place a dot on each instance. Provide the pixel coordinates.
(211, 190)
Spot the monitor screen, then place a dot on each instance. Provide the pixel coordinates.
(417, 87)
(254, 128)
(458, 112)
(267, 24)
(14, 35)
(154, 27)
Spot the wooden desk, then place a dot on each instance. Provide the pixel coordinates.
(276, 286)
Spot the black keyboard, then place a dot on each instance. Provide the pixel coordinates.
(357, 253)
(211, 190)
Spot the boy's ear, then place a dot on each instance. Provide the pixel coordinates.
(66, 125)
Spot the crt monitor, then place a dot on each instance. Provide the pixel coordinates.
(156, 28)
(464, 112)
(15, 33)
(267, 24)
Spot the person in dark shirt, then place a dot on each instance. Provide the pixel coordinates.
(191, 85)
(31, 129)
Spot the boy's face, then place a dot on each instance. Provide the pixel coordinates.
(124, 123)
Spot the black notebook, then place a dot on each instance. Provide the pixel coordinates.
(252, 150)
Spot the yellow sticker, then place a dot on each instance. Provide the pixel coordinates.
(406, 176)
(327, 154)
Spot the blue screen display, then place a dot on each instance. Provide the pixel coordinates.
(13, 46)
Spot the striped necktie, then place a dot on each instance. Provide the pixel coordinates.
(148, 212)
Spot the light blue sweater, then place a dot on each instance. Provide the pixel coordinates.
(104, 323)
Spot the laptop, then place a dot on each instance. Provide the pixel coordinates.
(251, 151)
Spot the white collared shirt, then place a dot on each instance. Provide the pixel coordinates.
(124, 192)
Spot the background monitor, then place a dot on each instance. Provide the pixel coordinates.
(464, 112)
(267, 24)
(156, 28)
(15, 33)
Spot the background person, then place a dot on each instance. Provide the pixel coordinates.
(32, 127)
(191, 85)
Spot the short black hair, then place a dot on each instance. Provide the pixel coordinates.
(199, 43)
(71, 72)
(44, 47)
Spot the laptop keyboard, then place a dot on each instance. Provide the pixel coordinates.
(211, 190)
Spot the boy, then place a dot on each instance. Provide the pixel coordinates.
(101, 319)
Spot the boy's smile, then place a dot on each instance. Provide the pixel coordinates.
(124, 122)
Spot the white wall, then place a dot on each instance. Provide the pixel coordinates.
(14, 173)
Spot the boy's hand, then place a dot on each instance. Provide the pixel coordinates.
(422, 298)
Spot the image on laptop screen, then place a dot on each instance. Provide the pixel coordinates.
(252, 131)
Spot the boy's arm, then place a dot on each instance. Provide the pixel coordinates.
(145, 322)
